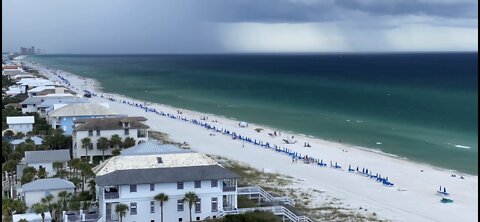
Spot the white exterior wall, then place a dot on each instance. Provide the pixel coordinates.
(77, 137)
(24, 127)
(29, 109)
(33, 197)
(143, 196)
(48, 167)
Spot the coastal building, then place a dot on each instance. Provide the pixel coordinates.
(62, 118)
(30, 104)
(22, 124)
(45, 159)
(33, 192)
(170, 172)
(51, 104)
(96, 128)
(36, 140)
(33, 82)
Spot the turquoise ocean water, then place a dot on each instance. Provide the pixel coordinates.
(422, 106)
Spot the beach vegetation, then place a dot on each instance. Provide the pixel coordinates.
(161, 198)
(10, 206)
(103, 144)
(85, 145)
(256, 216)
(129, 142)
(116, 141)
(40, 208)
(190, 198)
(121, 209)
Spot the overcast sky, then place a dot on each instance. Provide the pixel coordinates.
(226, 26)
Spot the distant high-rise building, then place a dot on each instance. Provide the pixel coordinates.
(23, 51)
(31, 50)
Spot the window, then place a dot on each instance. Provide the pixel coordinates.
(152, 207)
(90, 146)
(126, 132)
(90, 133)
(98, 132)
(198, 184)
(214, 183)
(159, 160)
(133, 188)
(133, 208)
(198, 206)
(179, 185)
(152, 187)
(198, 218)
(180, 205)
(180, 219)
(214, 204)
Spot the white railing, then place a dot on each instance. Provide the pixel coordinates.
(264, 194)
(276, 210)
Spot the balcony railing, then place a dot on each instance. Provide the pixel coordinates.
(111, 195)
(229, 188)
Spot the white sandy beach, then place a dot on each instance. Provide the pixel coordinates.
(417, 200)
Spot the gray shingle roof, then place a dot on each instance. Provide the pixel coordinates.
(67, 100)
(38, 100)
(48, 184)
(164, 175)
(47, 156)
(110, 123)
(151, 147)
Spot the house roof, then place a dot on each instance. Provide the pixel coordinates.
(41, 88)
(52, 91)
(82, 109)
(169, 160)
(164, 175)
(37, 140)
(40, 99)
(48, 184)
(64, 100)
(152, 147)
(47, 156)
(20, 119)
(111, 123)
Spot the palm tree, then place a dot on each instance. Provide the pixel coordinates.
(57, 166)
(47, 201)
(91, 185)
(76, 181)
(161, 197)
(121, 209)
(10, 206)
(84, 168)
(56, 207)
(191, 198)
(116, 152)
(129, 142)
(115, 141)
(86, 144)
(63, 198)
(74, 164)
(103, 145)
(40, 209)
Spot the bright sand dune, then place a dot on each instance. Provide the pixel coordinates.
(417, 202)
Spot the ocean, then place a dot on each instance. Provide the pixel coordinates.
(419, 106)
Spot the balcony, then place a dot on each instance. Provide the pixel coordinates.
(111, 195)
(111, 192)
(229, 188)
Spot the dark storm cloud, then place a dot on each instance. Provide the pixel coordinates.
(295, 11)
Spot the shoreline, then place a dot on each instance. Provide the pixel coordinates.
(333, 150)
(97, 88)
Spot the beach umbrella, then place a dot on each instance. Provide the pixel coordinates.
(444, 189)
(258, 129)
(440, 189)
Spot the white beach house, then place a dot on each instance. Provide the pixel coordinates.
(22, 124)
(135, 179)
(34, 191)
(63, 117)
(94, 129)
(45, 159)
